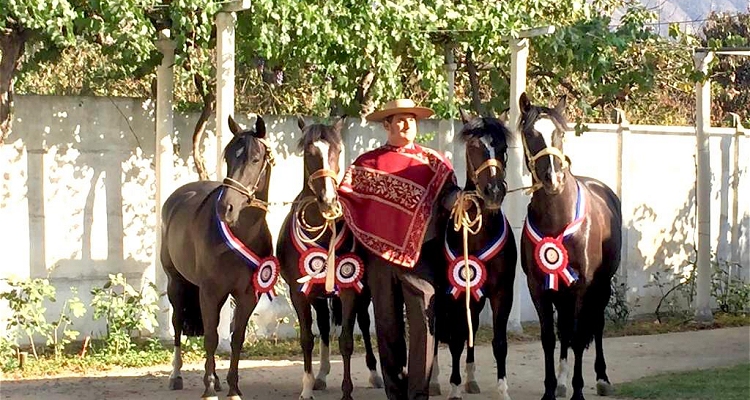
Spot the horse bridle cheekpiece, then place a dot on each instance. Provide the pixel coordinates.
(322, 174)
(268, 161)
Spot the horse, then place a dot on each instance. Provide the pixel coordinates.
(570, 249)
(302, 251)
(215, 242)
(493, 257)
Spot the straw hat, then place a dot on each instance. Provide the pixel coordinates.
(399, 106)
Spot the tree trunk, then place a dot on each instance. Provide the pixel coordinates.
(209, 105)
(12, 44)
(474, 83)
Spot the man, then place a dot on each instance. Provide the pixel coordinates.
(392, 198)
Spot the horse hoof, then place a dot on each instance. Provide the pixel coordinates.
(604, 388)
(472, 387)
(235, 397)
(175, 383)
(561, 390)
(435, 389)
(455, 398)
(377, 382)
(210, 398)
(307, 398)
(319, 384)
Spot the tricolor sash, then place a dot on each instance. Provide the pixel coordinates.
(477, 269)
(265, 270)
(550, 253)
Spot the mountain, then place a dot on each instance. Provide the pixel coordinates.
(692, 12)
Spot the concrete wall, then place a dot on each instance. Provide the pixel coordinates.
(77, 195)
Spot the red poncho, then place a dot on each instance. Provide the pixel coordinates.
(388, 196)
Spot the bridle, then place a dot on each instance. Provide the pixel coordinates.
(486, 165)
(268, 162)
(324, 173)
(547, 151)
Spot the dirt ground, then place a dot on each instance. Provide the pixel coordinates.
(628, 358)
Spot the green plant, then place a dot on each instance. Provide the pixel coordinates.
(732, 294)
(618, 309)
(125, 311)
(677, 291)
(26, 301)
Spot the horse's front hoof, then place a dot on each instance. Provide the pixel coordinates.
(175, 383)
(210, 398)
(306, 398)
(376, 381)
(561, 390)
(235, 397)
(472, 387)
(604, 388)
(435, 389)
(549, 397)
(319, 384)
(347, 397)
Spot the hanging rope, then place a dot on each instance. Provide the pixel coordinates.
(462, 220)
(320, 230)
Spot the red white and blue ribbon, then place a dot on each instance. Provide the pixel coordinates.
(313, 261)
(477, 269)
(550, 253)
(265, 271)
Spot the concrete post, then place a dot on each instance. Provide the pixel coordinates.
(225, 64)
(703, 191)
(517, 175)
(623, 148)
(164, 164)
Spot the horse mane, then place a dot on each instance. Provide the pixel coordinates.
(485, 126)
(316, 132)
(533, 114)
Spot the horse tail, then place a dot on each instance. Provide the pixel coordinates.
(336, 311)
(192, 318)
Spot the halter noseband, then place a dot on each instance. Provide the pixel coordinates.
(268, 160)
(323, 173)
(487, 164)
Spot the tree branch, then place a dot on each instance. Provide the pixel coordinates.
(471, 68)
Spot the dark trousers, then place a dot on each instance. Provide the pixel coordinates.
(392, 287)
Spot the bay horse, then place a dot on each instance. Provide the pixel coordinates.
(302, 250)
(570, 249)
(492, 253)
(215, 242)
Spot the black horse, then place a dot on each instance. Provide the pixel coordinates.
(569, 251)
(215, 242)
(302, 249)
(492, 253)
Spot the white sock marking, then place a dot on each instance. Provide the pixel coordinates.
(470, 370)
(176, 363)
(502, 389)
(455, 392)
(307, 386)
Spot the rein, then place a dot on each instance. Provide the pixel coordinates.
(320, 230)
(463, 220)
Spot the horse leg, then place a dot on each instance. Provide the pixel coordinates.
(175, 378)
(304, 316)
(471, 381)
(210, 308)
(501, 304)
(603, 385)
(346, 340)
(324, 325)
(244, 307)
(362, 310)
(456, 346)
(565, 318)
(579, 345)
(543, 305)
(435, 376)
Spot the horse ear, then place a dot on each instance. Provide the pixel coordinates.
(339, 124)
(300, 122)
(524, 103)
(234, 127)
(465, 118)
(260, 128)
(561, 103)
(504, 116)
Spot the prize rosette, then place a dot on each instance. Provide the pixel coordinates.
(349, 272)
(552, 257)
(312, 267)
(457, 277)
(266, 276)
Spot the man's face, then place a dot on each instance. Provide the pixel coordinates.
(401, 128)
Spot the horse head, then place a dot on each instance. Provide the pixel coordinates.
(321, 146)
(249, 160)
(486, 140)
(542, 131)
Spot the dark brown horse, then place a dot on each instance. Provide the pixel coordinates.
(215, 242)
(569, 251)
(492, 253)
(302, 251)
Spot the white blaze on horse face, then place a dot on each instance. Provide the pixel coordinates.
(488, 144)
(546, 127)
(330, 190)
